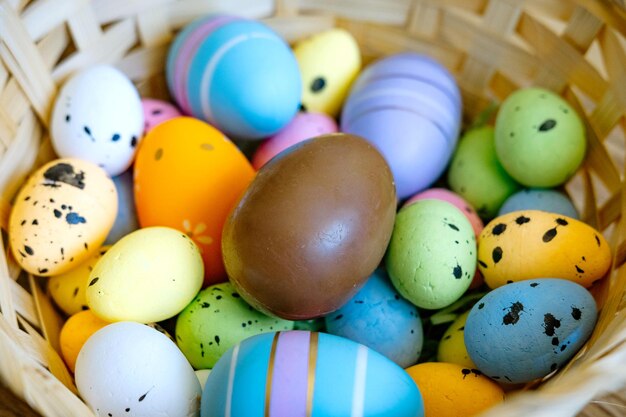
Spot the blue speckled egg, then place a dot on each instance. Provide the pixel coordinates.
(236, 74)
(126, 219)
(523, 331)
(299, 373)
(540, 199)
(380, 319)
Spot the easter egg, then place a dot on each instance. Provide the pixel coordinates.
(129, 369)
(61, 216)
(476, 175)
(409, 107)
(452, 346)
(539, 199)
(126, 219)
(411, 65)
(75, 332)
(432, 254)
(304, 126)
(203, 375)
(450, 390)
(157, 111)
(454, 199)
(302, 373)
(97, 116)
(539, 138)
(236, 74)
(526, 330)
(69, 290)
(533, 244)
(380, 319)
(188, 176)
(148, 276)
(329, 62)
(311, 227)
(216, 320)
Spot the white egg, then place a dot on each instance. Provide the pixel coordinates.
(130, 369)
(98, 116)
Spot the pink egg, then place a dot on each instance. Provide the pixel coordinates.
(461, 204)
(157, 111)
(454, 199)
(303, 126)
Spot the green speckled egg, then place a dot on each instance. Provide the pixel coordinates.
(431, 258)
(476, 174)
(539, 137)
(216, 320)
(452, 346)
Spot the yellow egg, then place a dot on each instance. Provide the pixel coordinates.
(533, 244)
(68, 290)
(329, 62)
(450, 390)
(61, 216)
(149, 275)
(75, 332)
(452, 346)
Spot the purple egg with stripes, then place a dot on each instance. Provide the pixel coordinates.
(301, 373)
(408, 94)
(406, 105)
(414, 66)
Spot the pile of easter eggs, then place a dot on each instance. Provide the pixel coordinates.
(314, 273)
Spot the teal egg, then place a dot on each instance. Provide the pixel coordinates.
(540, 139)
(431, 258)
(525, 330)
(549, 200)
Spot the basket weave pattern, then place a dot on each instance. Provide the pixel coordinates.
(574, 47)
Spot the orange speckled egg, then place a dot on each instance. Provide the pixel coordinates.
(450, 390)
(75, 332)
(188, 176)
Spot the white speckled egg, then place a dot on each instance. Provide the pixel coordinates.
(148, 276)
(98, 117)
(129, 369)
(61, 216)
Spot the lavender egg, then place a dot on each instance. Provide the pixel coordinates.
(409, 107)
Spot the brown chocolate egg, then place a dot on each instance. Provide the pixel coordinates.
(311, 227)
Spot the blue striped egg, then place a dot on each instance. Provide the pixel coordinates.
(236, 74)
(300, 373)
(525, 330)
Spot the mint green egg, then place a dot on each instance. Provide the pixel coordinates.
(431, 258)
(216, 320)
(540, 139)
(476, 174)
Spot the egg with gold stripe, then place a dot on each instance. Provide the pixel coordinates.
(533, 244)
(300, 373)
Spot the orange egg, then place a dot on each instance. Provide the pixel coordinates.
(75, 332)
(450, 390)
(188, 176)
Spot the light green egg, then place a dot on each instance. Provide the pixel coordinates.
(452, 346)
(148, 276)
(431, 258)
(216, 320)
(476, 174)
(540, 139)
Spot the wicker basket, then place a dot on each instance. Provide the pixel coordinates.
(574, 47)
